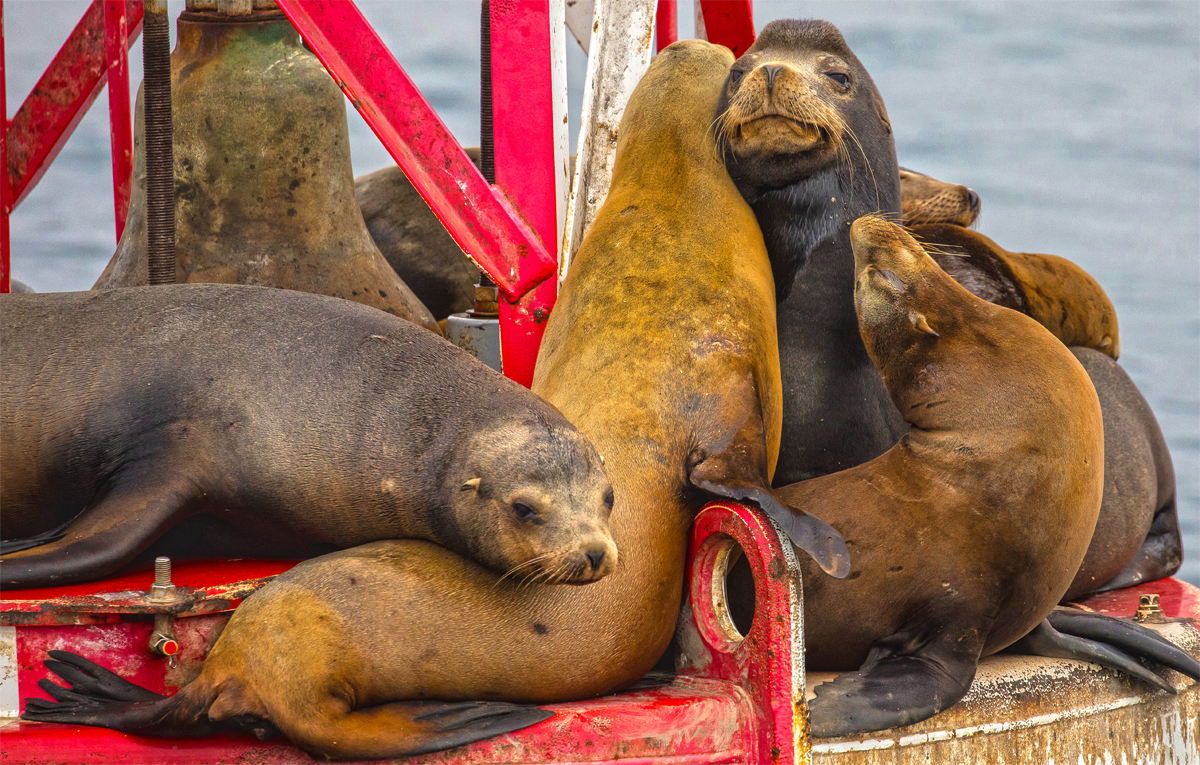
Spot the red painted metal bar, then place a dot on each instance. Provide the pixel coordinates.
(482, 222)
(116, 48)
(5, 191)
(59, 100)
(522, 108)
(729, 23)
(666, 24)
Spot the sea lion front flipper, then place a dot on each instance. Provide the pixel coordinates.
(1159, 556)
(906, 678)
(738, 471)
(404, 728)
(102, 539)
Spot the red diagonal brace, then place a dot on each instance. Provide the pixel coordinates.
(119, 31)
(480, 219)
(729, 23)
(59, 100)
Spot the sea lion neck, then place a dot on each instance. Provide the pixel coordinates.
(795, 220)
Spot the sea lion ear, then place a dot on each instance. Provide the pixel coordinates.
(881, 112)
(471, 484)
(921, 324)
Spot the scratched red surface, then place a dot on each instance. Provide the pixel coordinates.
(183, 574)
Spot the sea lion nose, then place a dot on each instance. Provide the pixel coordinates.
(596, 557)
(771, 70)
(973, 200)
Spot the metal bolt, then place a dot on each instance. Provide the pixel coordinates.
(1149, 610)
(162, 591)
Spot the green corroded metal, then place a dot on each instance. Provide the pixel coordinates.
(264, 191)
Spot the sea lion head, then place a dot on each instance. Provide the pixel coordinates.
(927, 200)
(531, 499)
(798, 102)
(895, 283)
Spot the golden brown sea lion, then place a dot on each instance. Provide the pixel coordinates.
(966, 533)
(662, 347)
(1060, 295)
(299, 423)
(924, 199)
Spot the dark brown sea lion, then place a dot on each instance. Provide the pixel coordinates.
(924, 199)
(965, 534)
(414, 241)
(1060, 295)
(304, 422)
(806, 138)
(1137, 536)
(639, 380)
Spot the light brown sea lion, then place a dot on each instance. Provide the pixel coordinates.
(965, 534)
(263, 184)
(668, 385)
(924, 199)
(1060, 295)
(303, 423)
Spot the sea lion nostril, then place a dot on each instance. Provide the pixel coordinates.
(596, 557)
(771, 71)
(973, 200)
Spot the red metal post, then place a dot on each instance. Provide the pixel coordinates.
(5, 190)
(522, 105)
(481, 220)
(729, 23)
(116, 47)
(666, 24)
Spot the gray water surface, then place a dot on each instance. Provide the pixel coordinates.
(1077, 122)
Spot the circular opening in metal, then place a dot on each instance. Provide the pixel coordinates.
(738, 583)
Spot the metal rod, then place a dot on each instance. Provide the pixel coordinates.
(160, 165)
(5, 185)
(487, 135)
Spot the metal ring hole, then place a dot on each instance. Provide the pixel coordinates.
(739, 580)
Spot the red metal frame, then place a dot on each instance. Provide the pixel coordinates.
(729, 23)
(666, 24)
(48, 116)
(481, 218)
(116, 50)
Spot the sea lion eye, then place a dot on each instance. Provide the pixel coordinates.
(841, 79)
(523, 511)
(735, 76)
(608, 499)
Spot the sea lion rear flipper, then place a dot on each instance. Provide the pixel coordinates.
(46, 537)
(1127, 636)
(1044, 640)
(739, 472)
(102, 539)
(1160, 555)
(893, 688)
(405, 728)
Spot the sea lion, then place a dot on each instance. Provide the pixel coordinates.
(806, 138)
(638, 379)
(966, 534)
(305, 422)
(924, 199)
(415, 243)
(1137, 536)
(1060, 295)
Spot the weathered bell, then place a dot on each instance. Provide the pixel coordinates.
(264, 192)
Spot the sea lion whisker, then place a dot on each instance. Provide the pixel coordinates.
(519, 566)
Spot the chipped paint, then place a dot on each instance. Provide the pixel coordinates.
(10, 698)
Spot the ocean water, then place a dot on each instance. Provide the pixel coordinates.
(1078, 123)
